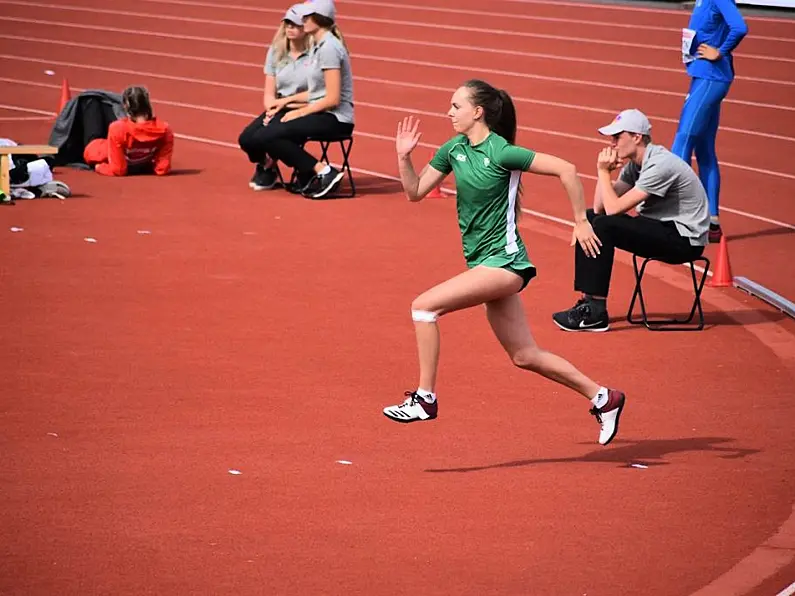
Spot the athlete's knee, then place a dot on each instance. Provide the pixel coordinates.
(244, 140)
(529, 358)
(424, 316)
(96, 152)
(604, 224)
(255, 136)
(423, 311)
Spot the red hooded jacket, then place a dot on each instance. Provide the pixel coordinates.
(132, 143)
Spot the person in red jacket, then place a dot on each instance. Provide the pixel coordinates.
(139, 143)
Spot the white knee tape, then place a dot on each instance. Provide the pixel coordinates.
(423, 316)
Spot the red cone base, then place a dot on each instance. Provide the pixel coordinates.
(722, 273)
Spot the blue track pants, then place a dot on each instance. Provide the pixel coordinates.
(698, 128)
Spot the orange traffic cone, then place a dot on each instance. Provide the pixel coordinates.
(722, 274)
(66, 95)
(436, 193)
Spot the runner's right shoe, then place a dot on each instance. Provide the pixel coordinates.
(608, 415)
(414, 409)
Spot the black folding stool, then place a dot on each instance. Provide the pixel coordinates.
(673, 324)
(346, 145)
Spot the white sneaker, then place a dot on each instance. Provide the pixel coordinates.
(608, 415)
(55, 189)
(415, 408)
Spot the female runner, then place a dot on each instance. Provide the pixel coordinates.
(487, 167)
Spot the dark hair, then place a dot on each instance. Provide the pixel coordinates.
(326, 23)
(499, 111)
(136, 102)
(500, 116)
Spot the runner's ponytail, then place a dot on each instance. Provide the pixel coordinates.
(499, 112)
(506, 125)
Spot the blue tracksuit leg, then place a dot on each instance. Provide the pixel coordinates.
(707, 159)
(698, 128)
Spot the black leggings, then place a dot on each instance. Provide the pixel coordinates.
(282, 140)
(643, 236)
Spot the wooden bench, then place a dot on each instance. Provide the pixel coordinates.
(5, 161)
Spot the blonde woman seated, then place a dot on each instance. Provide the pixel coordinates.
(286, 75)
(327, 112)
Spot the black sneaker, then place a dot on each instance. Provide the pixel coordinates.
(302, 181)
(581, 317)
(264, 179)
(254, 177)
(322, 184)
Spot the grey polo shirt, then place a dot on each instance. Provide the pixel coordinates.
(675, 192)
(292, 76)
(331, 54)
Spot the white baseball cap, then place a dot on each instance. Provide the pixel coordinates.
(628, 121)
(294, 15)
(324, 8)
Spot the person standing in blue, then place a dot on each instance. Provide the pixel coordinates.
(716, 28)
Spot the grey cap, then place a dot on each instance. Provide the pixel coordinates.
(628, 121)
(294, 15)
(322, 7)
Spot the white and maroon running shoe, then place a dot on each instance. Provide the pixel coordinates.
(414, 409)
(608, 415)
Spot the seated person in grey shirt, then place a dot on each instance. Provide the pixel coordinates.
(672, 222)
(286, 75)
(328, 109)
